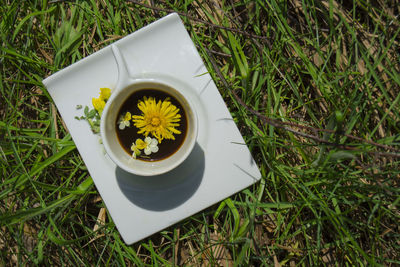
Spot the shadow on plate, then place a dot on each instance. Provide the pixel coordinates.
(166, 191)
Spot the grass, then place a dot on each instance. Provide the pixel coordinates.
(329, 199)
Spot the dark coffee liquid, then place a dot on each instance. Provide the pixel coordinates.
(127, 136)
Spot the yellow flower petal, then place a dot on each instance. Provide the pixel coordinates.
(98, 104)
(105, 93)
(140, 144)
(128, 116)
(136, 151)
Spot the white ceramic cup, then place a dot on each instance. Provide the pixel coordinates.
(124, 88)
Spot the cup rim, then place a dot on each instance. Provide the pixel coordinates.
(174, 160)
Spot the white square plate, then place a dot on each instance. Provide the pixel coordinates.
(220, 164)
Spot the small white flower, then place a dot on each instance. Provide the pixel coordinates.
(151, 145)
(124, 121)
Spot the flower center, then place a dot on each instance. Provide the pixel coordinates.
(155, 121)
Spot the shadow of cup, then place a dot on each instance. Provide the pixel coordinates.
(165, 191)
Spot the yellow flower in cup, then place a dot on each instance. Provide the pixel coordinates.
(135, 149)
(124, 121)
(157, 118)
(149, 145)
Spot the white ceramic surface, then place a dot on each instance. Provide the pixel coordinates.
(220, 163)
(126, 85)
